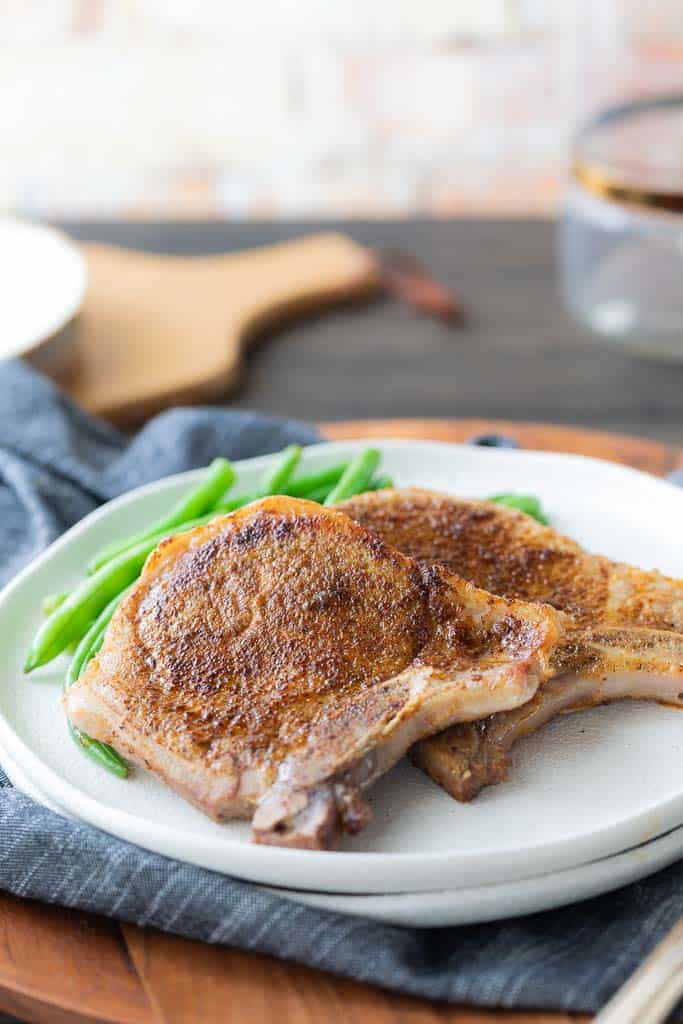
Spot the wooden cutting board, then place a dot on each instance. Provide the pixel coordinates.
(157, 331)
(59, 966)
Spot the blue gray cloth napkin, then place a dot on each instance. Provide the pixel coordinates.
(57, 464)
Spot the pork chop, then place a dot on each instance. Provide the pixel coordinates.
(276, 661)
(509, 553)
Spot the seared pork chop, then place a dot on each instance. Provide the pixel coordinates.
(509, 553)
(467, 757)
(278, 660)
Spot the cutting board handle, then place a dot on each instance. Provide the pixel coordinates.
(284, 280)
(162, 330)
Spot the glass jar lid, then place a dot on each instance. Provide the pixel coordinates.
(633, 153)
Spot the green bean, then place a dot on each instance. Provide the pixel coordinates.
(356, 477)
(375, 485)
(319, 495)
(53, 601)
(311, 487)
(303, 486)
(72, 645)
(527, 503)
(100, 752)
(71, 618)
(84, 651)
(275, 480)
(226, 507)
(316, 494)
(380, 483)
(219, 477)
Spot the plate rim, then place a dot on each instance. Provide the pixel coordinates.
(439, 908)
(444, 907)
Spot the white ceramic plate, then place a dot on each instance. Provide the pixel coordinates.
(587, 787)
(480, 903)
(44, 282)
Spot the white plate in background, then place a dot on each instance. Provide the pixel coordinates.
(44, 281)
(589, 786)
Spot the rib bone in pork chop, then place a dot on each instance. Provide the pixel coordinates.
(636, 615)
(276, 661)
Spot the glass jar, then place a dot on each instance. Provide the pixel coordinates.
(621, 230)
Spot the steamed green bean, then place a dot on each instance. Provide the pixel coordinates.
(275, 480)
(53, 601)
(527, 503)
(101, 753)
(79, 619)
(303, 486)
(85, 649)
(70, 620)
(218, 479)
(380, 483)
(73, 613)
(90, 644)
(356, 477)
(308, 486)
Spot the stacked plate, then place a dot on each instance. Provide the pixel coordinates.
(595, 799)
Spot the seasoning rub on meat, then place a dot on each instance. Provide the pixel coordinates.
(634, 617)
(273, 663)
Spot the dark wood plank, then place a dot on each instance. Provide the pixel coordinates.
(189, 982)
(519, 355)
(651, 456)
(58, 965)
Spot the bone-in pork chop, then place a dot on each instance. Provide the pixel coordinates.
(276, 661)
(509, 553)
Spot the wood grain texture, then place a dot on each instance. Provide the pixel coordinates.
(159, 330)
(650, 456)
(58, 966)
(189, 982)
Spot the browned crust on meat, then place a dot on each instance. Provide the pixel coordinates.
(285, 644)
(634, 618)
(462, 759)
(498, 549)
(506, 552)
(245, 628)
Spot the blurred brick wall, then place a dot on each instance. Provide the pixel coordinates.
(295, 108)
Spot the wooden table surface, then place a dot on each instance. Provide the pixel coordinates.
(519, 356)
(58, 965)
